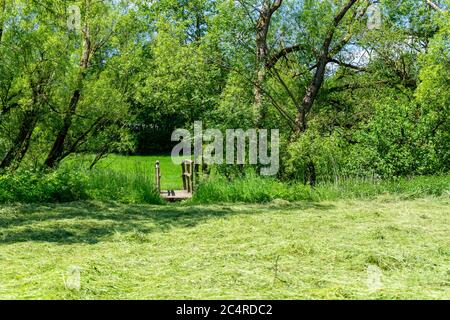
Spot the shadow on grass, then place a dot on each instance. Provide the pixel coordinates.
(90, 222)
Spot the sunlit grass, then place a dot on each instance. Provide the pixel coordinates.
(136, 165)
(132, 180)
(276, 250)
(256, 189)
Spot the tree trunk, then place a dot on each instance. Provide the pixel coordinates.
(311, 93)
(56, 153)
(99, 156)
(260, 109)
(2, 12)
(317, 81)
(21, 143)
(262, 30)
(311, 174)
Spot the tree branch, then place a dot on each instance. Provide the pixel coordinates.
(347, 65)
(286, 88)
(434, 6)
(276, 5)
(282, 53)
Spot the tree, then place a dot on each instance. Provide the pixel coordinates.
(57, 152)
(100, 40)
(2, 14)
(268, 8)
(37, 56)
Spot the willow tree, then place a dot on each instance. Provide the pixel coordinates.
(33, 60)
(108, 32)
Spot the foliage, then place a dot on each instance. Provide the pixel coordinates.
(380, 107)
(28, 186)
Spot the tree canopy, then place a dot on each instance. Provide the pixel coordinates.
(356, 87)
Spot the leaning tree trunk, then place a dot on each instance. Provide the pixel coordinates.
(310, 174)
(261, 54)
(55, 155)
(311, 93)
(262, 30)
(22, 141)
(316, 84)
(317, 81)
(2, 12)
(57, 151)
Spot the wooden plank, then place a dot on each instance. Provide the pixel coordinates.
(178, 196)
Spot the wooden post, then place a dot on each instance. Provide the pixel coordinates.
(191, 176)
(197, 168)
(183, 175)
(187, 168)
(158, 176)
(197, 171)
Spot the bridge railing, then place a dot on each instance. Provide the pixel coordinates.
(187, 169)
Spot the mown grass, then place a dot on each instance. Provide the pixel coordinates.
(277, 250)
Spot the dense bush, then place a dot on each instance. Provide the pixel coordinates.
(135, 187)
(399, 139)
(66, 185)
(28, 186)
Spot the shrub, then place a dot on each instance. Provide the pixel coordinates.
(29, 186)
(65, 185)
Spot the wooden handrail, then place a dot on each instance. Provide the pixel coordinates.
(187, 167)
(158, 176)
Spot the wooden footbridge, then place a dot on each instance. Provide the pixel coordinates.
(187, 169)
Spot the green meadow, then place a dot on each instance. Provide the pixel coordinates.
(280, 250)
(132, 165)
(252, 238)
(346, 100)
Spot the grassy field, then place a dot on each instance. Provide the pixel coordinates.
(135, 165)
(130, 180)
(276, 241)
(277, 250)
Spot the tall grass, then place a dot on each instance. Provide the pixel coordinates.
(130, 180)
(131, 165)
(256, 189)
(65, 185)
(129, 187)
